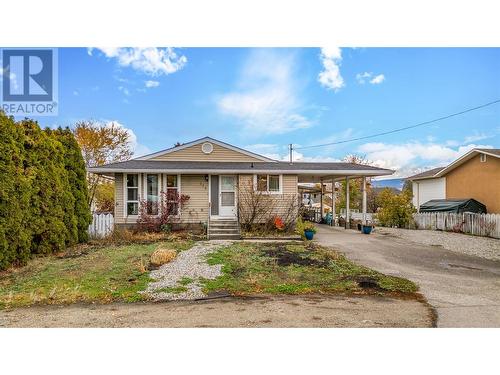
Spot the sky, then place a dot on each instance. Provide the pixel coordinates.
(262, 99)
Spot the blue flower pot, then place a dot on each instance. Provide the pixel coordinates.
(367, 229)
(309, 234)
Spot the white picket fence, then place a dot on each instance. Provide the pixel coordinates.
(102, 225)
(487, 225)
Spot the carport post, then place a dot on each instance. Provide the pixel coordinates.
(364, 200)
(347, 203)
(321, 201)
(333, 203)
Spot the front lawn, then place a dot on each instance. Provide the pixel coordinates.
(296, 268)
(84, 274)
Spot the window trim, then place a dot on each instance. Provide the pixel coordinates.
(125, 195)
(482, 158)
(178, 187)
(280, 191)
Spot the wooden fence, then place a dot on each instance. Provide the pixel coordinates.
(102, 225)
(487, 225)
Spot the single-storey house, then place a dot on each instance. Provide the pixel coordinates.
(474, 175)
(214, 175)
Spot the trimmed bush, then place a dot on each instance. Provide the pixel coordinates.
(43, 191)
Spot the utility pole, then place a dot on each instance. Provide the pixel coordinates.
(290, 148)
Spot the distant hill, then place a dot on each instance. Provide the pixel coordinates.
(396, 183)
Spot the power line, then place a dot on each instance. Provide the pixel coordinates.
(401, 129)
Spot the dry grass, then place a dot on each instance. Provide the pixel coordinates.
(162, 256)
(83, 274)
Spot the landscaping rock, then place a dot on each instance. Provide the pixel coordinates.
(189, 265)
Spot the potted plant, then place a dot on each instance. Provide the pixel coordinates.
(367, 228)
(309, 230)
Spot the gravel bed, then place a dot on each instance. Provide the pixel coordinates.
(484, 247)
(188, 264)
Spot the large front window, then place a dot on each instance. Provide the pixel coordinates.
(268, 183)
(132, 194)
(152, 194)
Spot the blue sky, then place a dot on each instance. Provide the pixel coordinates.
(264, 99)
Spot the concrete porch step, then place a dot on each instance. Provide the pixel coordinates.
(225, 236)
(224, 230)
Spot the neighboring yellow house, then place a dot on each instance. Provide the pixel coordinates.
(214, 175)
(474, 175)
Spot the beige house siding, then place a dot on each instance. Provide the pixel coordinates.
(119, 205)
(282, 202)
(478, 180)
(194, 153)
(195, 210)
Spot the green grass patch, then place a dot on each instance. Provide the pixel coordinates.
(96, 274)
(295, 268)
(185, 281)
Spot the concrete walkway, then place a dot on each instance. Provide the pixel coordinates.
(465, 290)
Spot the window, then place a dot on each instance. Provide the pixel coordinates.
(274, 183)
(172, 194)
(132, 194)
(482, 158)
(262, 182)
(152, 194)
(268, 183)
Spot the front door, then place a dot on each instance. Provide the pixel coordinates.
(227, 198)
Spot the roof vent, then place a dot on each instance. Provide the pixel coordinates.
(207, 148)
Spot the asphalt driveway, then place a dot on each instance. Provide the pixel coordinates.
(464, 290)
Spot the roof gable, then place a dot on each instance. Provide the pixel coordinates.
(192, 151)
(464, 158)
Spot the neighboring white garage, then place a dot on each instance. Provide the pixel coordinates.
(426, 187)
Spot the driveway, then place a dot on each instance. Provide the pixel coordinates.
(464, 289)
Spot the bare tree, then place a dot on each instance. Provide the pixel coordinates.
(254, 206)
(101, 144)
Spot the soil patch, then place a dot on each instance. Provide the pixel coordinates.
(286, 257)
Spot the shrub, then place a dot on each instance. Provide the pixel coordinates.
(168, 206)
(278, 223)
(301, 226)
(162, 256)
(395, 209)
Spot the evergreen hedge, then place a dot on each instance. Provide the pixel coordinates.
(43, 191)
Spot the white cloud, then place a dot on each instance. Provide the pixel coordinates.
(76, 93)
(267, 100)
(151, 61)
(369, 77)
(150, 84)
(330, 77)
(125, 90)
(377, 79)
(408, 158)
(137, 148)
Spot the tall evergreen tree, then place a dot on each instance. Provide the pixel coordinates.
(75, 168)
(15, 192)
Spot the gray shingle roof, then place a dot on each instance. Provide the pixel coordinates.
(244, 166)
(427, 174)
